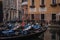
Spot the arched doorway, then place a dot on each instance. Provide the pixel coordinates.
(1, 12)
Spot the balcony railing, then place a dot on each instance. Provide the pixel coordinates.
(42, 5)
(53, 5)
(32, 6)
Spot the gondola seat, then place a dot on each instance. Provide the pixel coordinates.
(36, 26)
(27, 25)
(26, 29)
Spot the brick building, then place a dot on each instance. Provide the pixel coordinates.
(42, 9)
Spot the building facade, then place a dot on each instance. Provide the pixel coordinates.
(32, 9)
(11, 9)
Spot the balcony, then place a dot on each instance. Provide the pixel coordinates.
(42, 6)
(59, 4)
(32, 6)
(24, 3)
(53, 5)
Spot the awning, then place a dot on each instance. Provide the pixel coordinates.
(24, 3)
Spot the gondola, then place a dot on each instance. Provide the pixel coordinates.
(32, 34)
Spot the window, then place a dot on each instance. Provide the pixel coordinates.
(53, 1)
(32, 16)
(53, 16)
(53, 4)
(42, 2)
(32, 2)
(42, 16)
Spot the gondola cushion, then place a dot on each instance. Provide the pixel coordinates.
(27, 25)
(36, 26)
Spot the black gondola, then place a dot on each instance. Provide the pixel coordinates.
(31, 35)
